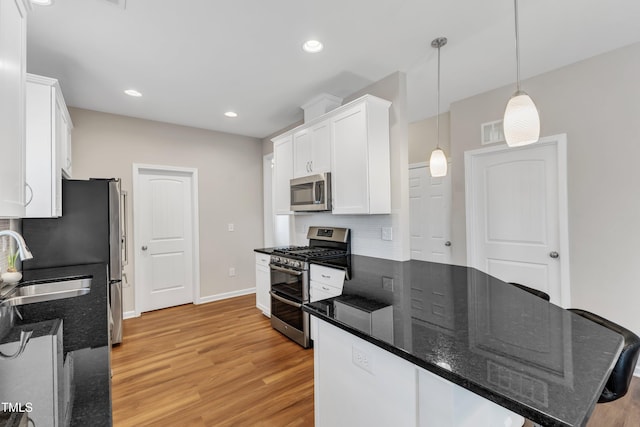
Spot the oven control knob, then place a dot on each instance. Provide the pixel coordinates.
(275, 259)
(285, 261)
(298, 264)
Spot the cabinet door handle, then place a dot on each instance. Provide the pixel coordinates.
(311, 166)
(325, 288)
(325, 276)
(30, 198)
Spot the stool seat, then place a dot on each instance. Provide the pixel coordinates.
(539, 294)
(618, 383)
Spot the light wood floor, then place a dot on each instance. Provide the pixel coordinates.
(221, 364)
(215, 364)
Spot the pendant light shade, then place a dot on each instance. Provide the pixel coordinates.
(521, 123)
(438, 163)
(438, 160)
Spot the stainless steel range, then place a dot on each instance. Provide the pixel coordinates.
(290, 278)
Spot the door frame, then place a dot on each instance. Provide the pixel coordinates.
(138, 168)
(560, 143)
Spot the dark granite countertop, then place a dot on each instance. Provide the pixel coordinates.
(267, 251)
(86, 340)
(506, 345)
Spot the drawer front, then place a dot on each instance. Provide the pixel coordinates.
(329, 276)
(319, 291)
(262, 259)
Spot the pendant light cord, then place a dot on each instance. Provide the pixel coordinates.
(515, 7)
(438, 105)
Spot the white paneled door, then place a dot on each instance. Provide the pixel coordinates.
(517, 217)
(164, 220)
(430, 215)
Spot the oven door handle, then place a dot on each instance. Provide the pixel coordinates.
(286, 270)
(284, 300)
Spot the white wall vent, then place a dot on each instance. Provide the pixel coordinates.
(491, 132)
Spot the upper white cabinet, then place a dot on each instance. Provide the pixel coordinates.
(13, 54)
(48, 146)
(312, 150)
(351, 142)
(283, 172)
(361, 173)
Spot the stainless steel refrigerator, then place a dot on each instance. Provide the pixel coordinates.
(89, 231)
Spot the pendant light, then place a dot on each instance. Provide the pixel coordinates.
(438, 161)
(521, 122)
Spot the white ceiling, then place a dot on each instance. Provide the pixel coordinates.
(195, 59)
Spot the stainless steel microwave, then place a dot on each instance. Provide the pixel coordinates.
(311, 193)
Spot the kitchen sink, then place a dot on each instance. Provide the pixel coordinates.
(40, 291)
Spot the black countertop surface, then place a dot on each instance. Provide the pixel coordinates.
(504, 344)
(85, 339)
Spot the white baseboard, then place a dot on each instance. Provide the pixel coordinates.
(129, 315)
(636, 372)
(226, 295)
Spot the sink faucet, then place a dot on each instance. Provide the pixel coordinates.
(23, 250)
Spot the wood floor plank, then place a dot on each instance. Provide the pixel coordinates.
(221, 364)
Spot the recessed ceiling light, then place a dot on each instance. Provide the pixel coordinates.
(231, 114)
(42, 2)
(312, 46)
(132, 92)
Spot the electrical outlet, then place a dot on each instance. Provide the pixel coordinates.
(231, 227)
(387, 284)
(387, 233)
(362, 359)
(232, 271)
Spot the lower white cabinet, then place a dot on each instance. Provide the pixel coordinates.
(263, 283)
(48, 139)
(325, 282)
(357, 383)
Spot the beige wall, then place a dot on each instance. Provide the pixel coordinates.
(230, 186)
(596, 103)
(422, 138)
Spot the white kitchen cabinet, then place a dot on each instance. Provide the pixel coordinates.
(359, 384)
(263, 283)
(13, 55)
(312, 150)
(64, 128)
(283, 172)
(325, 282)
(361, 172)
(48, 134)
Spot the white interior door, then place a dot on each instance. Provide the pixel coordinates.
(164, 220)
(430, 215)
(516, 215)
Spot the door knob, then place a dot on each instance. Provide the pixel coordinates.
(144, 248)
(447, 243)
(554, 254)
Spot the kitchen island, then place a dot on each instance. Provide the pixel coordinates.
(77, 373)
(419, 343)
